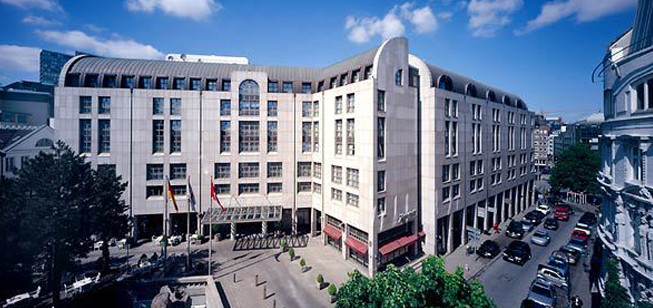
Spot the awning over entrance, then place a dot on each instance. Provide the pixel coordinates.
(356, 245)
(332, 232)
(243, 214)
(398, 243)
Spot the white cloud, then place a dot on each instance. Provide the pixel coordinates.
(197, 10)
(486, 17)
(40, 21)
(47, 5)
(581, 10)
(445, 15)
(19, 58)
(121, 48)
(363, 29)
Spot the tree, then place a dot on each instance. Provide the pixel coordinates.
(615, 294)
(576, 170)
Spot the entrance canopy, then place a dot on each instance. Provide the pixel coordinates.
(243, 214)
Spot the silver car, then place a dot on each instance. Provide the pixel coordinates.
(542, 292)
(541, 238)
(527, 225)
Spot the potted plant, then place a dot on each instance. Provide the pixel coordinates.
(291, 252)
(284, 245)
(333, 292)
(302, 263)
(320, 281)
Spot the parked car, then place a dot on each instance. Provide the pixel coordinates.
(527, 225)
(558, 255)
(542, 292)
(588, 219)
(541, 238)
(543, 208)
(551, 224)
(582, 228)
(515, 230)
(562, 212)
(560, 263)
(580, 235)
(534, 216)
(578, 245)
(517, 252)
(572, 254)
(489, 249)
(553, 275)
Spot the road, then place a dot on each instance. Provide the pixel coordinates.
(507, 283)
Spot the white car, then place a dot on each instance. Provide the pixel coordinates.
(98, 245)
(583, 228)
(543, 208)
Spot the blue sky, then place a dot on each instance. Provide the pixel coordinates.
(543, 51)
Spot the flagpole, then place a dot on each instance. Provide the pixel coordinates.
(210, 229)
(188, 199)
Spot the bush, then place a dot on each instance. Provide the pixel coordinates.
(319, 279)
(302, 262)
(291, 252)
(332, 289)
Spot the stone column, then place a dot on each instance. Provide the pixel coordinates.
(293, 220)
(233, 230)
(464, 241)
(264, 228)
(343, 239)
(313, 221)
(450, 234)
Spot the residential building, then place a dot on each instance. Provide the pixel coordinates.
(382, 154)
(626, 176)
(19, 143)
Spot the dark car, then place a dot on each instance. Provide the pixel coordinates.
(551, 224)
(515, 229)
(489, 249)
(534, 216)
(588, 219)
(572, 254)
(517, 252)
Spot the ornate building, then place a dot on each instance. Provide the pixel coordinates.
(626, 176)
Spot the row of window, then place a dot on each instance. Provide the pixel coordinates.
(86, 136)
(352, 199)
(352, 176)
(351, 149)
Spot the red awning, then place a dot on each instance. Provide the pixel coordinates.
(421, 234)
(356, 245)
(398, 243)
(332, 232)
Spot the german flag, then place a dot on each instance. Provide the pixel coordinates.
(171, 195)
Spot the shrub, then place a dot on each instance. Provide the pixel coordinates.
(302, 262)
(319, 279)
(332, 289)
(291, 252)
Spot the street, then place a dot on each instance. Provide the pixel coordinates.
(507, 283)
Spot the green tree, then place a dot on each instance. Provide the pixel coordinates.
(576, 170)
(615, 294)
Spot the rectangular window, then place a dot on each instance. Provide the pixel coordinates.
(352, 200)
(273, 86)
(356, 75)
(110, 81)
(316, 109)
(248, 108)
(248, 138)
(447, 145)
(162, 83)
(157, 105)
(641, 104)
(85, 103)
(445, 193)
(368, 72)
(454, 108)
(104, 136)
(380, 206)
(303, 169)
(275, 169)
(306, 87)
(472, 185)
(472, 168)
(351, 103)
(479, 167)
(275, 188)
(225, 136)
(177, 171)
(446, 176)
(212, 85)
(447, 108)
(304, 187)
(336, 194)
(145, 82)
(225, 107)
(352, 177)
(157, 136)
(351, 149)
(179, 83)
(287, 87)
(336, 174)
(380, 181)
(153, 191)
(455, 191)
(175, 106)
(399, 78)
(128, 82)
(455, 172)
(175, 136)
(222, 170)
(272, 108)
(338, 138)
(317, 170)
(104, 105)
(85, 136)
(306, 109)
(454, 138)
(338, 105)
(380, 100)
(333, 83)
(381, 138)
(272, 136)
(195, 84)
(226, 85)
(248, 188)
(222, 189)
(343, 80)
(316, 136)
(306, 136)
(248, 170)
(91, 80)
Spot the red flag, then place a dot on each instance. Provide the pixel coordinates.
(214, 196)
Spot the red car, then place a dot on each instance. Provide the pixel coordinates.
(580, 235)
(562, 212)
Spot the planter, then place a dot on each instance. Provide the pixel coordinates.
(333, 298)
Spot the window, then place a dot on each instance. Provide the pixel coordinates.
(248, 170)
(316, 109)
(352, 177)
(287, 87)
(162, 83)
(91, 81)
(272, 136)
(222, 189)
(85, 136)
(272, 108)
(316, 136)
(399, 77)
(110, 81)
(226, 85)
(212, 85)
(306, 136)
(177, 171)
(175, 136)
(104, 105)
(195, 84)
(338, 138)
(455, 172)
(641, 96)
(153, 191)
(304, 187)
(317, 188)
(248, 104)
(351, 150)
(175, 106)
(472, 185)
(338, 105)
(454, 108)
(317, 170)
(225, 136)
(472, 168)
(104, 136)
(333, 83)
(222, 170)
(320, 86)
(225, 107)
(154, 172)
(44, 142)
(145, 82)
(455, 191)
(352, 200)
(157, 136)
(85, 103)
(303, 169)
(336, 174)
(356, 75)
(380, 100)
(128, 82)
(446, 176)
(637, 164)
(273, 86)
(447, 108)
(248, 188)
(446, 193)
(350, 103)
(380, 181)
(179, 83)
(381, 138)
(454, 138)
(479, 167)
(157, 105)
(447, 145)
(248, 138)
(343, 80)
(380, 206)
(274, 188)
(368, 72)
(275, 169)
(306, 87)
(306, 109)
(336, 194)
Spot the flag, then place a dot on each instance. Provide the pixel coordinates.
(191, 196)
(214, 196)
(171, 195)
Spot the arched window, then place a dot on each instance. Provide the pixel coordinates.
(44, 142)
(491, 96)
(520, 104)
(248, 98)
(445, 83)
(471, 90)
(506, 100)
